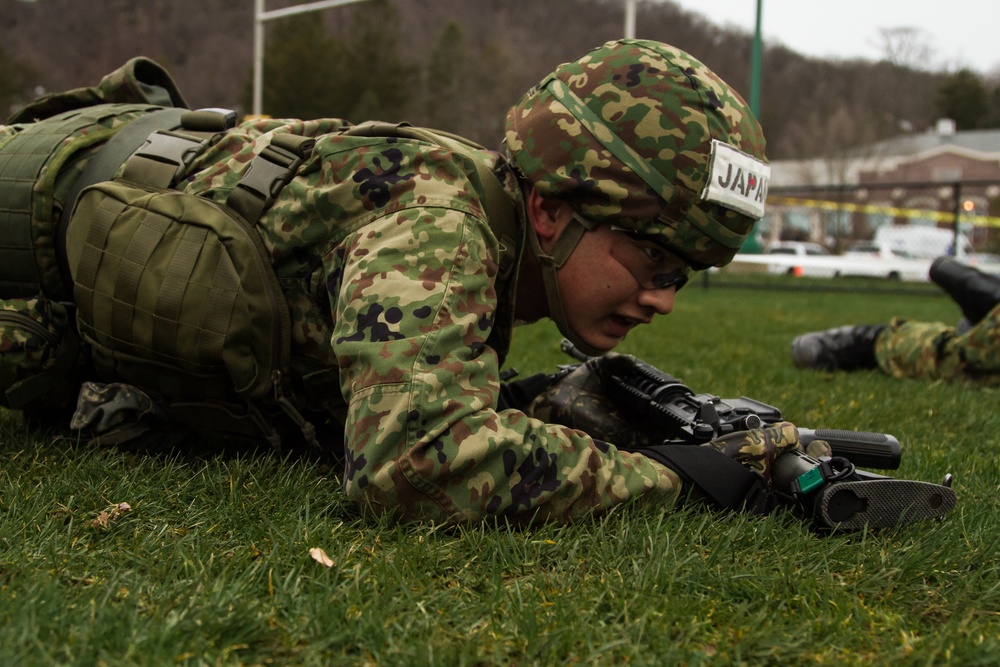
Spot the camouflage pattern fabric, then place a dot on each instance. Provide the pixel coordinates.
(935, 351)
(103, 407)
(28, 347)
(39, 358)
(123, 415)
(677, 119)
(756, 449)
(579, 400)
(138, 80)
(389, 267)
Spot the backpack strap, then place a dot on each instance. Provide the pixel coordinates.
(104, 165)
(155, 166)
(269, 172)
(166, 154)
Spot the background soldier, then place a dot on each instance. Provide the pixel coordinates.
(924, 350)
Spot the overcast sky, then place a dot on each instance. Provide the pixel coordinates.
(960, 33)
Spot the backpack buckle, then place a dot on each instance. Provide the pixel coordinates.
(274, 166)
(170, 149)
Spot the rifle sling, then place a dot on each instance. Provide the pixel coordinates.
(724, 481)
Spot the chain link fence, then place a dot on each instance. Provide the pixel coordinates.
(873, 236)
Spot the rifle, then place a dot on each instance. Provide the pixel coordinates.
(833, 492)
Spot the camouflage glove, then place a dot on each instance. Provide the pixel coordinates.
(757, 448)
(118, 414)
(579, 400)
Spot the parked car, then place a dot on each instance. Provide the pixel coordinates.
(873, 259)
(876, 249)
(799, 249)
(923, 242)
(878, 259)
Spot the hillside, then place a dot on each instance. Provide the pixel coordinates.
(207, 45)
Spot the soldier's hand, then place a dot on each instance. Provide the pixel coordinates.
(758, 448)
(580, 401)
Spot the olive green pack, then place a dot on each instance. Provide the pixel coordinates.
(48, 151)
(126, 280)
(46, 147)
(175, 292)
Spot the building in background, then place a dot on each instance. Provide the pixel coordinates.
(925, 180)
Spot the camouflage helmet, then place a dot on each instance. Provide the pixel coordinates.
(642, 134)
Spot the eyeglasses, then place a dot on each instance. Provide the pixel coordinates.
(652, 265)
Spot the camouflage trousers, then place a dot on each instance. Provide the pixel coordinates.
(935, 351)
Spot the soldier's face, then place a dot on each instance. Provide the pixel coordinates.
(602, 298)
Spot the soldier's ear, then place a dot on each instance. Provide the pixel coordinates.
(548, 216)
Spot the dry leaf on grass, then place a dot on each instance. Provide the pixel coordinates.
(110, 515)
(320, 557)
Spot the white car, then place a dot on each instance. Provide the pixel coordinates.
(792, 249)
(878, 260)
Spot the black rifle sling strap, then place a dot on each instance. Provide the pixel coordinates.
(722, 480)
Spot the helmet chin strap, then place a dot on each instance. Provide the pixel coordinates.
(550, 263)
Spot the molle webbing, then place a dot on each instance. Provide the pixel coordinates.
(176, 293)
(37, 168)
(178, 279)
(103, 167)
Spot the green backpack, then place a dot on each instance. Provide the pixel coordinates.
(205, 329)
(175, 293)
(44, 150)
(47, 151)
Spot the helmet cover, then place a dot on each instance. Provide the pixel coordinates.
(641, 134)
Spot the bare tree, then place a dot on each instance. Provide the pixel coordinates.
(907, 47)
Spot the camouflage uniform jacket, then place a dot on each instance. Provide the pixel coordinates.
(389, 266)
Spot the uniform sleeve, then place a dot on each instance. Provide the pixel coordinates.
(413, 305)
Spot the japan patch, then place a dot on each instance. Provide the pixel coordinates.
(736, 180)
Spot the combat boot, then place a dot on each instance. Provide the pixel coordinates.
(845, 348)
(975, 292)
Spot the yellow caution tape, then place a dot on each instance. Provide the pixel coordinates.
(926, 214)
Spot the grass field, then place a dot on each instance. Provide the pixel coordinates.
(210, 562)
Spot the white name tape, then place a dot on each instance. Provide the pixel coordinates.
(736, 180)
